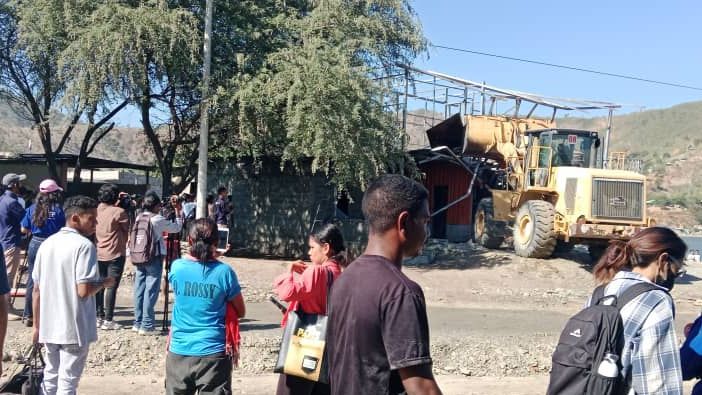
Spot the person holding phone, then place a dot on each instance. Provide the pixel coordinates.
(305, 287)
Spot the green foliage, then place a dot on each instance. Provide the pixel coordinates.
(294, 79)
(121, 49)
(317, 97)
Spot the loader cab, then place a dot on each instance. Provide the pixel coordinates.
(563, 147)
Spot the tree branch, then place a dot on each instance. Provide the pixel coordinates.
(99, 137)
(67, 133)
(111, 114)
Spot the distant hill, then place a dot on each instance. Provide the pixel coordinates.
(122, 144)
(653, 133)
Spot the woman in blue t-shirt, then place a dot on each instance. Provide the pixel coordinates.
(42, 219)
(197, 361)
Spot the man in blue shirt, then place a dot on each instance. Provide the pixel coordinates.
(222, 207)
(11, 214)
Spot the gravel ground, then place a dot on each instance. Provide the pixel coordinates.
(126, 353)
(462, 284)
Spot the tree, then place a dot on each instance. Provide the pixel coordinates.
(295, 79)
(151, 61)
(319, 97)
(34, 38)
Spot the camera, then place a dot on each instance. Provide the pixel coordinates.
(127, 202)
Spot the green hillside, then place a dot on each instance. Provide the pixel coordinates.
(653, 133)
(670, 143)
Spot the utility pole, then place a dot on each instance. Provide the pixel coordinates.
(204, 109)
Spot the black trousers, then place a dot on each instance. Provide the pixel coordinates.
(105, 299)
(208, 375)
(293, 385)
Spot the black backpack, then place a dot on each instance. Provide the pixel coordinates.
(589, 335)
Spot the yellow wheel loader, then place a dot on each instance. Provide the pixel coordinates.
(546, 187)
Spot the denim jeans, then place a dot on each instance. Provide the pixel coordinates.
(105, 299)
(147, 285)
(31, 257)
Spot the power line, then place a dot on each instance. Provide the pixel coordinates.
(628, 77)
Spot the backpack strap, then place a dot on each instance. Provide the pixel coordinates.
(635, 290)
(597, 295)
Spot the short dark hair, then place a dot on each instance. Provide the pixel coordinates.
(108, 193)
(78, 205)
(221, 189)
(151, 201)
(387, 197)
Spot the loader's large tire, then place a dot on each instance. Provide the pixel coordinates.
(533, 230)
(486, 231)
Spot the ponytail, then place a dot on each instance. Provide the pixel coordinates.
(616, 258)
(203, 235)
(331, 234)
(43, 204)
(342, 258)
(643, 249)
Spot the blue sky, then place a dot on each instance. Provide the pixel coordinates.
(649, 39)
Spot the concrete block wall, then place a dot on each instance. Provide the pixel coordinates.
(273, 208)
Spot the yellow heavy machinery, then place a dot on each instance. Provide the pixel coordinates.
(547, 187)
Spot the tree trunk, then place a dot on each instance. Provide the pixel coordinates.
(83, 154)
(45, 138)
(166, 182)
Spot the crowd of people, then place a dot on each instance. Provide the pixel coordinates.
(377, 336)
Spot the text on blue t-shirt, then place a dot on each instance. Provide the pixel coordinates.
(54, 222)
(201, 296)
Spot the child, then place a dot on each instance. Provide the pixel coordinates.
(66, 278)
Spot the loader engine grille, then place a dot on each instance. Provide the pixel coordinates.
(617, 199)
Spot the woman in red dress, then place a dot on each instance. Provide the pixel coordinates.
(304, 286)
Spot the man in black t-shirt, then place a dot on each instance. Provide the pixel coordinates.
(378, 336)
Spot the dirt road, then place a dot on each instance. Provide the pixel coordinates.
(494, 319)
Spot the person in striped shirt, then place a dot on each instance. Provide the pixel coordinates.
(650, 358)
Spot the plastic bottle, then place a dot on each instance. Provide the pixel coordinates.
(608, 367)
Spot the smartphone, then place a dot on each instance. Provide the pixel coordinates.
(223, 239)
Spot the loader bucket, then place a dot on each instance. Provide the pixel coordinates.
(450, 133)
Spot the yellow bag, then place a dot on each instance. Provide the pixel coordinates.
(302, 349)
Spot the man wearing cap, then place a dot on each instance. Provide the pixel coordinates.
(11, 214)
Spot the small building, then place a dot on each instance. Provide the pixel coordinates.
(447, 182)
(34, 166)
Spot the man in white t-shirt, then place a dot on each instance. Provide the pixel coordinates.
(66, 278)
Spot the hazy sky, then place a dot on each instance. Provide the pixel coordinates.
(649, 39)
